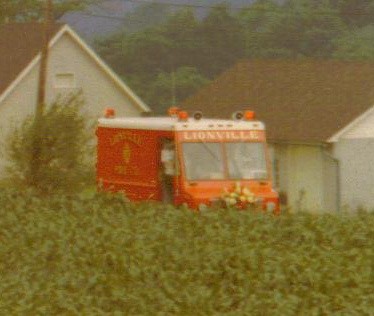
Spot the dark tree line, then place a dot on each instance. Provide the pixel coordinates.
(168, 62)
(33, 10)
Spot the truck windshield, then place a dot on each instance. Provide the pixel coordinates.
(246, 161)
(205, 160)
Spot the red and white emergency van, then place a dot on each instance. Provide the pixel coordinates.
(186, 160)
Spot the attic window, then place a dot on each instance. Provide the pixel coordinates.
(65, 80)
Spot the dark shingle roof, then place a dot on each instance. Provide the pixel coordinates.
(19, 44)
(299, 100)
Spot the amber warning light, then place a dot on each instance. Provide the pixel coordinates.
(249, 115)
(109, 113)
(173, 111)
(182, 115)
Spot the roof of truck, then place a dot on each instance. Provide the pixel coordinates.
(173, 124)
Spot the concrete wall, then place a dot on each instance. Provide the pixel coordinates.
(66, 57)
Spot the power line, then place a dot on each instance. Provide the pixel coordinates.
(125, 19)
(185, 5)
(248, 6)
(111, 17)
(222, 29)
(244, 8)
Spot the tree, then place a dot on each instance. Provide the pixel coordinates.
(357, 44)
(146, 52)
(146, 16)
(256, 21)
(182, 30)
(297, 28)
(26, 10)
(152, 58)
(63, 138)
(356, 13)
(221, 42)
(170, 88)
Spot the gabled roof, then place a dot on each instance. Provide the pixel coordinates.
(299, 100)
(20, 46)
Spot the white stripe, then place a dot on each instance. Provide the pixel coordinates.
(170, 124)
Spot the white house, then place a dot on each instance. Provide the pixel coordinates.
(319, 116)
(72, 66)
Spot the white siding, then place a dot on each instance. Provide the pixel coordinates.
(331, 182)
(99, 89)
(357, 172)
(66, 57)
(355, 150)
(300, 175)
(15, 108)
(305, 179)
(280, 170)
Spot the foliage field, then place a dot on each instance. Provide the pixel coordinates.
(98, 255)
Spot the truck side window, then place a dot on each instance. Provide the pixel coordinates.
(168, 158)
(168, 170)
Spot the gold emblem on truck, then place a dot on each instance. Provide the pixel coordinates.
(126, 153)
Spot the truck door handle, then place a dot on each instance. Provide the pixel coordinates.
(192, 184)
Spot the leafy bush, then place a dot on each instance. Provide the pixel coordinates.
(94, 255)
(50, 154)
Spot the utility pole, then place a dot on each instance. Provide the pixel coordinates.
(174, 88)
(173, 82)
(48, 20)
(40, 105)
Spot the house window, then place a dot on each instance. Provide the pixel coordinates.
(65, 80)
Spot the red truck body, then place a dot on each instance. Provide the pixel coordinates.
(211, 160)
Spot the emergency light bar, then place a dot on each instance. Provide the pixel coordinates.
(198, 115)
(247, 115)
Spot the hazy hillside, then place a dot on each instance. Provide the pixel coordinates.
(109, 16)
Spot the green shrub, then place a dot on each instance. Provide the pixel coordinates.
(97, 255)
(50, 154)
